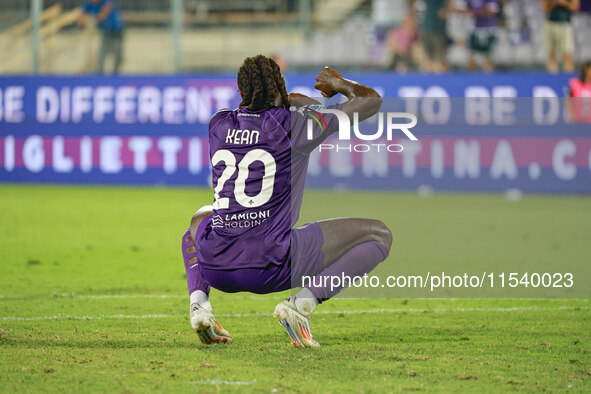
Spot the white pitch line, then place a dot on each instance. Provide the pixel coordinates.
(218, 381)
(94, 297)
(109, 296)
(346, 312)
(181, 296)
(99, 317)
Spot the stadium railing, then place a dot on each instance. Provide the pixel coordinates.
(17, 51)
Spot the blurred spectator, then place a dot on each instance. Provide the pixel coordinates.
(559, 33)
(580, 91)
(386, 13)
(458, 26)
(484, 35)
(581, 87)
(401, 41)
(434, 41)
(110, 25)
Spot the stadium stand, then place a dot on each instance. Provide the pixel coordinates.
(216, 35)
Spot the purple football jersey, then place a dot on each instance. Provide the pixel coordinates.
(259, 162)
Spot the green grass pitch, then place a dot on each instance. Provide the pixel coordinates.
(93, 299)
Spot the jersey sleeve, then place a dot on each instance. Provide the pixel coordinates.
(214, 123)
(311, 125)
(87, 7)
(218, 116)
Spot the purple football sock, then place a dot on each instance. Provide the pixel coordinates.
(358, 261)
(194, 279)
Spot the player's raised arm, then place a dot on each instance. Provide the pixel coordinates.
(299, 100)
(362, 99)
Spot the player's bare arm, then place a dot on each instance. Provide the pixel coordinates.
(362, 99)
(299, 100)
(197, 218)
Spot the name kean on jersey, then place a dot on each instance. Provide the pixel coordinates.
(242, 137)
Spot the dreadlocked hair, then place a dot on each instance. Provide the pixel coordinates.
(261, 84)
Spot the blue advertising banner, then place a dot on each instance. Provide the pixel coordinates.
(153, 130)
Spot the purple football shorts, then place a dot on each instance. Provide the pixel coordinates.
(305, 259)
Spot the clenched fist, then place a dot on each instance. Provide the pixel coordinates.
(327, 81)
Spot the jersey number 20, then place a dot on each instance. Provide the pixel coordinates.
(224, 155)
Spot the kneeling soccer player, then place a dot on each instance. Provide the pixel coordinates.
(246, 241)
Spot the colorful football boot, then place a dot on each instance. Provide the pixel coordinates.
(206, 326)
(296, 323)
